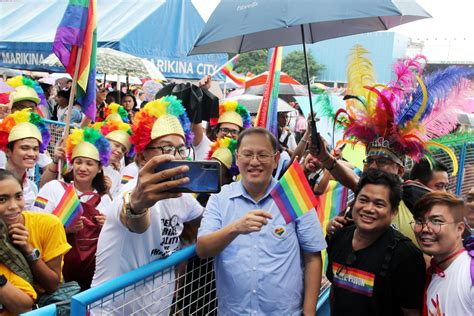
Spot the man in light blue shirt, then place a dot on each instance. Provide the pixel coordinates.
(263, 266)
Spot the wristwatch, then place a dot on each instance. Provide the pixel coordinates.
(3, 280)
(128, 209)
(35, 255)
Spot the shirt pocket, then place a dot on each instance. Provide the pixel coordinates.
(280, 239)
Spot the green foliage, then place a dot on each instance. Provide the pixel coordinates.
(293, 64)
(254, 62)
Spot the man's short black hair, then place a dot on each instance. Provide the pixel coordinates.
(259, 131)
(64, 94)
(378, 177)
(423, 169)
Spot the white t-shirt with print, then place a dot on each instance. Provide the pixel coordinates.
(52, 192)
(115, 178)
(30, 192)
(129, 173)
(120, 251)
(453, 294)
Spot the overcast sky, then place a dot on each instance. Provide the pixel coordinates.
(453, 17)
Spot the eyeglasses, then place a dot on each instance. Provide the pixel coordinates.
(379, 161)
(227, 131)
(263, 157)
(433, 224)
(183, 151)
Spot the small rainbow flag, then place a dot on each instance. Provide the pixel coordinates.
(41, 202)
(228, 70)
(125, 179)
(267, 115)
(292, 194)
(69, 209)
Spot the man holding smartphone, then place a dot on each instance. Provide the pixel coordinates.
(146, 220)
(263, 266)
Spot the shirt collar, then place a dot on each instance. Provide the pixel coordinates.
(241, 191)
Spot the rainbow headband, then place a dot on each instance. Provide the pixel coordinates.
(115, 112)
(89, 143)
(165, 116)
(24, 124)
(117, 131)
(224, 150)
(20, 80)
(230, 111)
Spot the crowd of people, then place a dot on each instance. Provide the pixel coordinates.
(394, 248)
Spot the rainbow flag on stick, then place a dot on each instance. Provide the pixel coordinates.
(69, 209)
(267, 115)
(332, 202)
(78, 30)
(292, 194)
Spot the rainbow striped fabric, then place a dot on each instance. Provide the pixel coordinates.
(332, 202)
(228, 70)
(126, 178)
(292, 194)
(78, 29)
(267, 115)
(353, 279)
(41, 202)
(69, 209)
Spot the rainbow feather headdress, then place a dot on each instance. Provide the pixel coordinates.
(165, 116)
(19, 81)
(89, 143)
(24, 124)
(391, 120)
(115, 112)
(224, 150)
(230, 111)
(117, 131)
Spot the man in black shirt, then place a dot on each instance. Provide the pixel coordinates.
(374, 269)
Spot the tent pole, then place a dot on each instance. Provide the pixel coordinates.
(314, 130)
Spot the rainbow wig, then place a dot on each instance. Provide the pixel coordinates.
(24, 124)
(171, 117)
(230, 111)
(114, 111)
(107, 129)
(89, 143)
(224, 150)
(25, 81)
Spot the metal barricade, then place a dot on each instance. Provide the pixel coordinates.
(56, 129)
(180, 284)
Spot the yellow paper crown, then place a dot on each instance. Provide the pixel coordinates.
(25, 93)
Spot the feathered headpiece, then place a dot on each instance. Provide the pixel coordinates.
(224, 150)
(24, 124)
(115, 112)
(89, 143)
(117, 131)
(394, 123)
(165, 116)
(230, 111)
(18, 81)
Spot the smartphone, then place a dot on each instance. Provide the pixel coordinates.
(204, 176)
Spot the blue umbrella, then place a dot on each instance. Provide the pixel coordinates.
(246, 25)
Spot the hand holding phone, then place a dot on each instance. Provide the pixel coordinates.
(204, 176)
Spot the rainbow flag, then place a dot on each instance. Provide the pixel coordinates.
(331, 202)
(292, 194)
(69, 209)
(41, 202)
(267, 112)
(228, 70)
(126, 178)
(78, 29)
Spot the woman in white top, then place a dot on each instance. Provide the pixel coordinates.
(23, 135)
(118, 133)
(87, 151)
